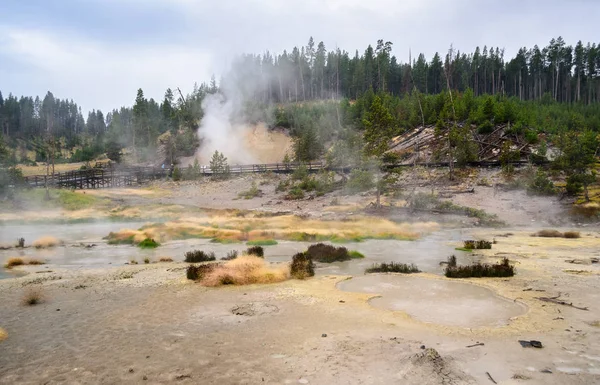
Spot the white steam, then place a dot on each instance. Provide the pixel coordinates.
(221, 130)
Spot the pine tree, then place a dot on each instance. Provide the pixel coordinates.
(379, 128)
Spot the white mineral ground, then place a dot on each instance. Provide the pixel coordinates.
(109, 324)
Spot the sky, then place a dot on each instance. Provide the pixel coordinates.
(99, 52)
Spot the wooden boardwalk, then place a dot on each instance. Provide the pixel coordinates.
(133, 176)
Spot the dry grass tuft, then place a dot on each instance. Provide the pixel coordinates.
(557, 234)
(3, 334)
(46, 242)
(548, 234)
(245, 270)
(33, 297)
(14, 261)
(165, 259)
(35, 262)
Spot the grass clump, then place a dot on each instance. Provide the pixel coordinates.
(321, 252)
(479, 270)
(253, 192)
(355, 254)
(548, 234)
(146, 260)
(295, 193)
(3, 334)
(557, 234)
(393, 267)
(257, 251)
(35, 262)
(33, 297)
(302, 266)
(477, 245)
(196, 256)
(46, 242)
(233, 254)
(14, 261)
(262, 242)
(245, 270)
(148, 243)
(197, 272)
(72, 201)
(165, 259)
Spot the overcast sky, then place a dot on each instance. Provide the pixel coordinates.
(99, 52)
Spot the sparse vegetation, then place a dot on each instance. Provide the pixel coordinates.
(295, 193)
(148, 243)
(557, 234)
(21, 243)
(12, 262)
(541, 185)
(35, 262)
(46, 242)
(356, 255)
(262, 242)
(146, 260)
(245, 270)
(197, 272)
(233, 254)
(360, 180)
(479, 270)
(302, 266)
(133, 262)
(393, 267)
(321, 252)
(196, 256)
(257, 251)
(253, 192)
(165, 259)
(477, 245)
(33, 297)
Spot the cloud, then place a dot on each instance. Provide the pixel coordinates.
(99, 52)
(95, 74)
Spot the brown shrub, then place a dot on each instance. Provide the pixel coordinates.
(245, 270)
(35, 262)
(572, 234)
(165, 259)
(549, 234)
(33, 297)
(46, 242)
(14, 261)
(302, 266)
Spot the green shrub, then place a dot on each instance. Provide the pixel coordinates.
(282, 186)
(541, 185)
(251, 193)
(295, 193)
(176, 174)
(486, 128)
(300, 173)
(480, 270)
(477, 245)
(356, 255)
(393, 267)
(302, 266)
(196, 256)
(262, 242)
(257, 251)
(359, 181)
(148, 243)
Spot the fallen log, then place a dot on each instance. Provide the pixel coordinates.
(560, 302)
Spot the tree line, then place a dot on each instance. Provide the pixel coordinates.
(567, 73)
